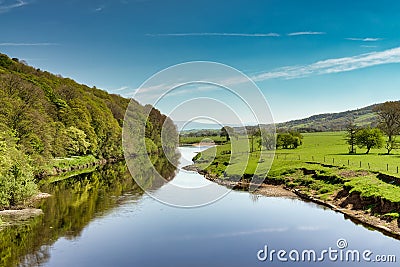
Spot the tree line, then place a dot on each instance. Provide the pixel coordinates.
(262, 138)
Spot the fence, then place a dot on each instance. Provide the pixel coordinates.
(343, 161)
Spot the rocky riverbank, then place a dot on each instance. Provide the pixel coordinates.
(22, 213)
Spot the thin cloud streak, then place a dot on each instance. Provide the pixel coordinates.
(123, 88)
(305, 33)
(8, 7)
(369, 39)
(27, 44)
(272, 34)
(334, 65)
(328, 66)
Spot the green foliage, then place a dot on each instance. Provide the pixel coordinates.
(369, 138)
(389, 121)
(44, 116)
(16, 174)
(351, 132)
(289, 140)
(76, 142)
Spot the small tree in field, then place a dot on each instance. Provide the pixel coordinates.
(369, 138)
(351, 140)
(226, 132)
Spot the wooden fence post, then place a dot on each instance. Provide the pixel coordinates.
(360, 163)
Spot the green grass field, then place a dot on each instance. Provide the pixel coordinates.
(197, 139)
(326, 154)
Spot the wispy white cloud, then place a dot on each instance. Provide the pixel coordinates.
(123, 88)
(99, 9)
(368, 39)
(334, 65)
(305, 33)
(328, 66)
(369, 46)
(27, 44)
(271, 34)
(6, 6)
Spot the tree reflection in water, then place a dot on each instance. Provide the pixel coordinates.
(74, 203)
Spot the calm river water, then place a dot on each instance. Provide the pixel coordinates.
(104, 219)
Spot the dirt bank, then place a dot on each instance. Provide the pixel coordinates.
(354, 207)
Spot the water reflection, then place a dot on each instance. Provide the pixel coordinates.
(74, 203)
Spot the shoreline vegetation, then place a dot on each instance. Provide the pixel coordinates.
(368, 195)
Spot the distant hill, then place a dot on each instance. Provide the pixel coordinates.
(316, 123)
(332, 121)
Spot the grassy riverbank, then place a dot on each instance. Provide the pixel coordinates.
(322, 170)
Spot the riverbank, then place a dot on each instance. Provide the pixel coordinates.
(60, 166)
(22, 213)
(369, 211)
(59, 169)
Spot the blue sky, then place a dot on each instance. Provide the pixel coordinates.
(307, 57)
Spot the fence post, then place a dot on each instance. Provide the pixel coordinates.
(312, 158)
(333, 160)
(348, 162)
(369, 167)
(299, 157)
(387, 166)
(324, 158)
(360, 163)
(397, 169)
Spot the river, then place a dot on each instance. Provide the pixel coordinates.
(104, 219)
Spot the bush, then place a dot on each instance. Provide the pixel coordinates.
(16, 174)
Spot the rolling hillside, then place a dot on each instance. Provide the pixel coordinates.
(332, 121)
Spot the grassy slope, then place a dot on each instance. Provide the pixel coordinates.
(288, 166)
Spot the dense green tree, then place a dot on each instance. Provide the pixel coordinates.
(76, 144)
(16, 174)
(369, 138)
(289, 140)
